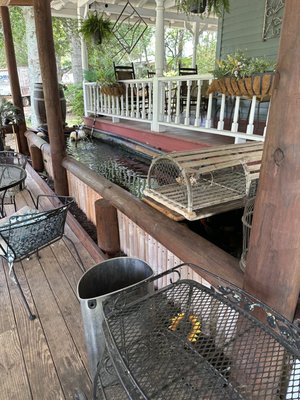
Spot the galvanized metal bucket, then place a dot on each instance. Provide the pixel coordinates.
(96, 285)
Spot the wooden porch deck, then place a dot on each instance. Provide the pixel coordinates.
(44, 358)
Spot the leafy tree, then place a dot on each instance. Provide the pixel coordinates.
(19, 35)
(206, 53)
(174, 43)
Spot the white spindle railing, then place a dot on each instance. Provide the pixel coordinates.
(180, 102)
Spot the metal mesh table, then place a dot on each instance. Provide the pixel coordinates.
(190, 341)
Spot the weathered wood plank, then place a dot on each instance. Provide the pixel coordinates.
(66, 299)
(67, 360)
(43, 380)
(13, 376)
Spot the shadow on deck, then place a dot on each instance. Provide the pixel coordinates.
(45, 358)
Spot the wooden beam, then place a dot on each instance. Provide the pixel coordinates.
(43, 22)
(13, 77)
(273, 262)
(16, 2)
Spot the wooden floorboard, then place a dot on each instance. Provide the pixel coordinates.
(45, 358)
(14, 382)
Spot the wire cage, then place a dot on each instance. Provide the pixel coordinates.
(190, 341)
(247, 225)
(247, 221)
(200, 183)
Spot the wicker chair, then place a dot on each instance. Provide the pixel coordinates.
(30, 230)
(14, 158)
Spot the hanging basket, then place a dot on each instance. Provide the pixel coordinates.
(116, 90)
(259, 85)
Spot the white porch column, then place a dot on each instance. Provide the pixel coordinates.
(196, 33)
(159, 38)
(81, 13)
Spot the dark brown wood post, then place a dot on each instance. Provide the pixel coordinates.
(107, 227)
(273, 262)
(36, 158)
(14, 78)
(42, 14)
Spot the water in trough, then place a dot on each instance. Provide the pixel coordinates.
(115, 162)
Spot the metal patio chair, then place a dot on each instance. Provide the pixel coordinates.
(14, 158)
(29, 230)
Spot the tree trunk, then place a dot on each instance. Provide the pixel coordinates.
(33, 58)
(76, 59)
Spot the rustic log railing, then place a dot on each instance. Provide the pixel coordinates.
(185, 244)
(180, 102)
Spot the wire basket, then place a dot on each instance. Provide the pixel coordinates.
(190, 341)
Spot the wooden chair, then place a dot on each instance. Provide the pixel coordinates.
(28, 231)
(150, 74)
(184, 89)
(124, 72)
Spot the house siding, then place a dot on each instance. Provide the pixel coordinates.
(242, 29)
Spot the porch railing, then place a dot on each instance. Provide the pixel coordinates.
(181, 102)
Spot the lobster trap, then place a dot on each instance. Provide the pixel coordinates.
(200, 183)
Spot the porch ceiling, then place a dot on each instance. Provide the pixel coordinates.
(146, 8)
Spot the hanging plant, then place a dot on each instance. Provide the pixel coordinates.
(240, 75)
(200, 6)
(96, 28)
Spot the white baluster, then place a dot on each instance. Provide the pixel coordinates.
(265, 128)
(143, 101)
(177, 117)
(150, 91)
(198, 105)
(250, 126)
(188, 103)
(127, 99)
(235, 124)
(222, 113)
(169, 101)
(208, 121)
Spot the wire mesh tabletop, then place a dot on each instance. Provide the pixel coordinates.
(190, 341)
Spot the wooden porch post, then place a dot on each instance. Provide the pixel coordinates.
(273, 262)
(42, 15)
(13, 77)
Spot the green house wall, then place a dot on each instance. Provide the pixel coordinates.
(242, 29)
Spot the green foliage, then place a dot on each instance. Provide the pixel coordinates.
(174, 43)
(9, 113)
(206, 54)
(19, 35)
(238, 65)
(74, 98)
(96, 27)
(212, 7)
(90, 75)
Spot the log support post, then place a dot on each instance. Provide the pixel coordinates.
(107, 228)
(14, 78)
(43, 22)
(273, 261)
(36, 158)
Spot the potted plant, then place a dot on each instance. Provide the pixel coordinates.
(240, 75)
(109, 84)
(9, 116)
(96, 28)
(200, 6)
